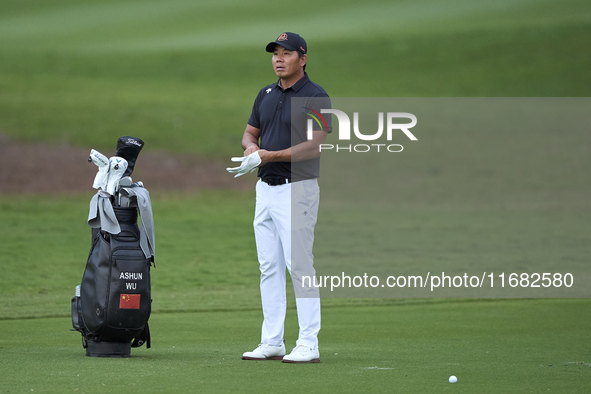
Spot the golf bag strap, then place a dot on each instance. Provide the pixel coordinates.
(143, 337)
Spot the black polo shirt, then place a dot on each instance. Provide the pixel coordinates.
(271, 113)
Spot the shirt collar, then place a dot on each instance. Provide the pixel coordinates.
(296, 86)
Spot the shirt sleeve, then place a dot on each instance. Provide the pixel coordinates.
(255, 119)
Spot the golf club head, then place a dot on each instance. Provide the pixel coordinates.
(126, 199)
(122, 195)
(129, 148)
(125, 182)
(120, 190)
(117, 167)
(101, 161)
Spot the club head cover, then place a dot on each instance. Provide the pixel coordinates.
(117, 167)
(129, 148)
(101, 161)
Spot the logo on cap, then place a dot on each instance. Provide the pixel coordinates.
(282, 37)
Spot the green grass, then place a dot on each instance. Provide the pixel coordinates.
(206, 245)
(205, 254)
(506, 346)
(183, 77)
(206, 307)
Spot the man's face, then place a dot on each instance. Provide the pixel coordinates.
(287, 63)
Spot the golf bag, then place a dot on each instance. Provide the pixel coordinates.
(113, 302)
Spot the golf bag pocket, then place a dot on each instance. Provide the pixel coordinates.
(129, 302)
(77, 314)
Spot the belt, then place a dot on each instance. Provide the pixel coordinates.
(276, 181)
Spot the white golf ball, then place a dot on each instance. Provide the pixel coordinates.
(453, 379)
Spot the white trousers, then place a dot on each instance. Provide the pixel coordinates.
(284, 221)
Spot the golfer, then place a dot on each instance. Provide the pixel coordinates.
(285, 149)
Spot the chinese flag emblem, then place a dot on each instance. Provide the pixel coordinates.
(129, 301)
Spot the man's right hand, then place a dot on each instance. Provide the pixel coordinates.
(251, 149)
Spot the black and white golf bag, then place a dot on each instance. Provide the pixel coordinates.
(113, 302)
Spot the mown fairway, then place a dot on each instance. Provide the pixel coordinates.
(510, 346)
(182, 75)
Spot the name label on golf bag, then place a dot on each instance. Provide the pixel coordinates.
(115, 299)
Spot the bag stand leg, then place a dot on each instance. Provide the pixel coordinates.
(108, 349)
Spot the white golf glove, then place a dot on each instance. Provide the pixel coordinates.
(117, 166)
(101, 161)
(248, 164)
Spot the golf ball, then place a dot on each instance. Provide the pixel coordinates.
(453, 379)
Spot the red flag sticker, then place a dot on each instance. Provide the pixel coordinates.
(129, 301)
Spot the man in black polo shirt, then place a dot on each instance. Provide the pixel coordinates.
(277, 141)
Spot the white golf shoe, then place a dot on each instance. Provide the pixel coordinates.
(302, 354)
(265, 352)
